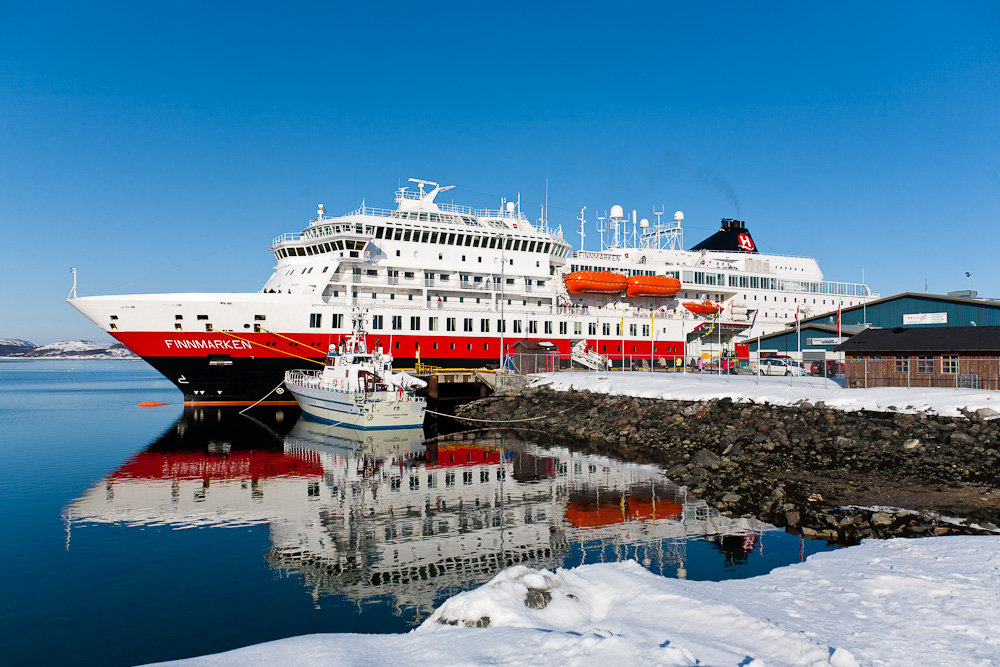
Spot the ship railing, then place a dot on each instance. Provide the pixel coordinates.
(290, 237)
(369, 210)
(302, 377)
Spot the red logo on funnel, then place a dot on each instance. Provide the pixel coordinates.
(746, 243)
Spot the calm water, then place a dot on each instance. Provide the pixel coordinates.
(141, 534)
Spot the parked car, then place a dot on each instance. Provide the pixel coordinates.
(786, 358)
(778, 366)
(832, 368)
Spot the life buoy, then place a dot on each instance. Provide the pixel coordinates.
(280, 390)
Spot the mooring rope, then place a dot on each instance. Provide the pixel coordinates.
(505, 421)
(271, 349)
(262, 400)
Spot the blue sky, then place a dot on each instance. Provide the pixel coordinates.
(161, 146)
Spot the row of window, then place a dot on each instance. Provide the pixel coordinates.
(390, 233)
(921, 364)
(624, 272)
(743, 281)
(468, 325)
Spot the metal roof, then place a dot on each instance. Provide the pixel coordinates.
(931, 339)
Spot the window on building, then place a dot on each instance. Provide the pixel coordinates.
(450, 323)
(376, 321)
(467, 324)
(414, 323)
(338, 320)
(925, 365)
(397, 322)
(532, 327)
(949, 364)
(484, 325)
(902, 365)
(432, 323)
(315, 320)
(517, 326)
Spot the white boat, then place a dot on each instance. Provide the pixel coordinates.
(357, 388)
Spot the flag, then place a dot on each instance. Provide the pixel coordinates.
(797, 327)
(839, 305)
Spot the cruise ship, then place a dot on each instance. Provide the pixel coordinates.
(452, 286)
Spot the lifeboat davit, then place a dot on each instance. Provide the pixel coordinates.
(652, 286)
(703, 308)
(596, 282)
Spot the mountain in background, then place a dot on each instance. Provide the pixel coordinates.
(11, 346)
(67, 349)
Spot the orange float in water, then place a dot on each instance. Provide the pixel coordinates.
(703, 308)
(652, 286)
(150, 404)
(596, 282)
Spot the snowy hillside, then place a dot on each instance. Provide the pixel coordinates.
(69, 349)
(14, 346)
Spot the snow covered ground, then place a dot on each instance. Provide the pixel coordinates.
(774, 390)
(933, 601)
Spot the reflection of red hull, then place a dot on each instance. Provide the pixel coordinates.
(201, 465)
(458, 455)
(613, 511)
(703, 308)
(652, 286)
(596, 282)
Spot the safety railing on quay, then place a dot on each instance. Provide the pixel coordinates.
(944, 371)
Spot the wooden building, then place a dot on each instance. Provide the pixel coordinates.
(534, 356)
(923, 357)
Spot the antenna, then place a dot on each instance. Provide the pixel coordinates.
(583, 233)
(72, 292)
(421, 182)
(601, 229)
(617, 215)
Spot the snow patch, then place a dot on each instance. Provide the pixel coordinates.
(895, 602)
(773, 390)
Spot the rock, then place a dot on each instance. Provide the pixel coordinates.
(960, 439)
(732, 498)
(911, 443)
(881, 519)
(705, 458)
(535, 599)
(986, 413)
(792, 518)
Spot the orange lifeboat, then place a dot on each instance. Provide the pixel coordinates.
(652, 286)
(703, 308)
(596, 282)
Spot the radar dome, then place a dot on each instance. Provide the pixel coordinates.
(644, 223)
(510, 207)
(679, 216)
(617, 213)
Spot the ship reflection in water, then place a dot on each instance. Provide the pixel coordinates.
(382, 513)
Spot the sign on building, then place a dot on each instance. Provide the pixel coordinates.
(925, 318)
(826, 341)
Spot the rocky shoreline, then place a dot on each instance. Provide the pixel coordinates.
(824, 473)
